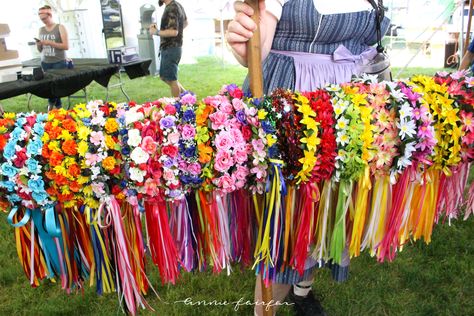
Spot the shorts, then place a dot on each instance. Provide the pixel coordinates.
(169, 61)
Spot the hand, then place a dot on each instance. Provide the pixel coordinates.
(241, 28)
(46, 42)
(153, 29)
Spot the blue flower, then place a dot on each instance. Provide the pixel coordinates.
(185, 179)
(10, 186)
(13, 198)
(39, 129)
(86, 121)
(40, 196)
(126, 150)
(268, 127)
(190, 152)
(273, 152)
(8, 170)
(20, 121)
(16, 133)
(34, 147)
(41, 117)
(9, 151)
(36, 185)
(32, 165)
(189, 116)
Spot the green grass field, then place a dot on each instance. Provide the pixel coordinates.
(434, 279)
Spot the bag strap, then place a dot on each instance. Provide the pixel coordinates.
(379, 15)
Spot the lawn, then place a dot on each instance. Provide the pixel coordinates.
(434, 279)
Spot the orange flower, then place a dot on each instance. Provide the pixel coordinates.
(205, 153)
(74, 186)
(74, 170)
(70, 125)
(69, 147)
(60, 180)
(56, 159)
(111, 125)
(55, 132)
(3, 141)
(46, 153)
(52, 191)
(108, 163)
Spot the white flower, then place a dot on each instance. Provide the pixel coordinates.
(406, 128)
(369, 78)
(132, 116)
(406, 111)
(333, 87)
(137, 174)
(342, 138)
(134, 137)
(342, 123)
(139, 156)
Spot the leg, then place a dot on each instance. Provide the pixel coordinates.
(170, 58)
(279, 293)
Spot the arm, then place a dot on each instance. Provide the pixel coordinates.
(466, 60)
(241, 29)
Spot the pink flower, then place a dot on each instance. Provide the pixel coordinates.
(194, 168)
(237, 135)
(223, 161)
(168, 175)
(218, 119)
(188, 98)
(156, 116)
(170, 109)
(258, 145)
(240, 156)
(151, 187)
(173, 138)
(238, 104)
(226, 183)
(149, 145)
(188, 132)
(241, 173)
(97, 138)
(92, 159)
(226, 107)
(224, 141)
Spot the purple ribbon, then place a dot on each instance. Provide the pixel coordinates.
(342, 54)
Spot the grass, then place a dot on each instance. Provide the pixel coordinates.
(434, 279)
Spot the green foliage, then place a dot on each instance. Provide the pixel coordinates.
(434, 279)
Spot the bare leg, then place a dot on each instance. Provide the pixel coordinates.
(279, 293)
(174, 86)
(181, 88)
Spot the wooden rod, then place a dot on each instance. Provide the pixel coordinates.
(254, 54)
(468, 31)
(254, 64)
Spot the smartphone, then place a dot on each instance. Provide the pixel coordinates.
(36, 39)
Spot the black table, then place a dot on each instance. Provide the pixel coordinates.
(61, 82)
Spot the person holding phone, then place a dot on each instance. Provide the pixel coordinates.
(52, 43)
(173, 22)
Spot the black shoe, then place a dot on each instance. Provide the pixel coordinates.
(306, 305)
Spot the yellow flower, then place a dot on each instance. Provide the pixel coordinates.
(451, 116)
(306, 109)
(3, 129)
(9, 115)
(310, 123)
(45, 138)
(109, 142)
(111, 125)
(83, 132)
(82, 148)
(311, 141)
(61, 170)
(87, 190)
(65, 135)
(82, 180)
(262, 114)
(359, 99)
(308, 161)
(271, 139)
(54, 146)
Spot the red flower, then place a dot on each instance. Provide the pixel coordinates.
(247, 132)
(170, 150)
(20, 158)
(170, 109)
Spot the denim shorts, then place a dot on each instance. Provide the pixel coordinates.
(170, 58)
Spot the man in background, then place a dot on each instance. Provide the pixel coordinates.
(52, 42)
(173, 22)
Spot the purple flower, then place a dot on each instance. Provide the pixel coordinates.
(168, 163)
(167, 122)
(241, 117)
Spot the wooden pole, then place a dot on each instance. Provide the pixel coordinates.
(468, 31)
(254, 63)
